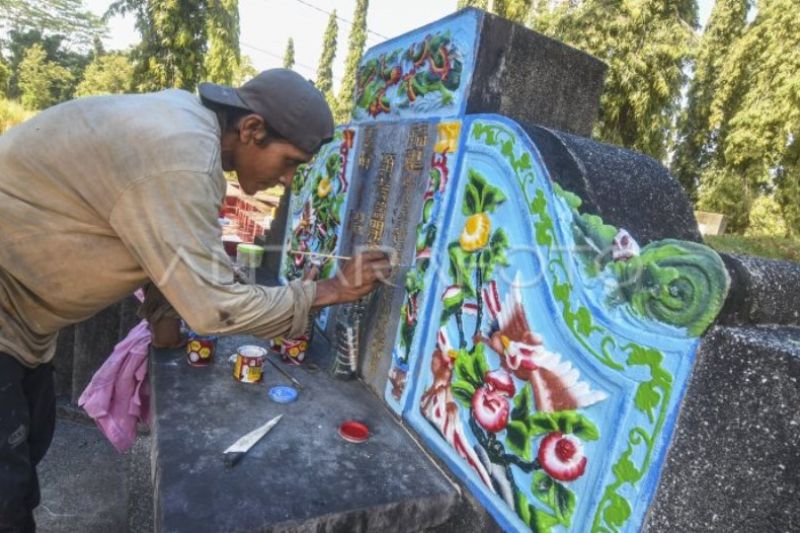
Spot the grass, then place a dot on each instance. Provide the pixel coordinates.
(787, 248)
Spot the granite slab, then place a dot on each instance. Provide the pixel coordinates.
(302, 476)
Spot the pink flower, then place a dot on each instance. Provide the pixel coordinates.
(490, 402)
(561, 456)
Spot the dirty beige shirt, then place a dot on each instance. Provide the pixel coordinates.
(100, 195)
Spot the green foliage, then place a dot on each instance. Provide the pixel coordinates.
(41, 82)
(324, 80)
(479, 196)
(766, 218)
(106, 74)
(223, 62)
(516, 10)
(358, 38)
(11, 114)
(646, 45)
(56, 51)
(175, 39)
(67, 18)
(694, 148)
(244, 71)
(756, 114)
(5, 77)
(288, 55)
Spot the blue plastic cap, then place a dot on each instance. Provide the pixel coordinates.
(282, 394)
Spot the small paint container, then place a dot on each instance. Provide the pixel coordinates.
(249, 363)
(249, 255)
(354, 432)
(200, 349)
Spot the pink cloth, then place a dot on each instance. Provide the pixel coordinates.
(119, 394)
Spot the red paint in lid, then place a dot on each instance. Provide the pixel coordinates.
(353, 431)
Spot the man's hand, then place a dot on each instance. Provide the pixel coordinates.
(356, 278)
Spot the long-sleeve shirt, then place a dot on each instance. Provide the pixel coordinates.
(100, 195)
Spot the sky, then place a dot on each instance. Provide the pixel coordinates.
(267, 25)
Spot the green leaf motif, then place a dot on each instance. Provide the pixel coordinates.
(647, 398)
(471, 367)
(463, 391)
(518, 439)
(625, 470)
(618, 511)
(539, 203)
(543, 229)
(583, 319)
(541, 423)
(556, 496)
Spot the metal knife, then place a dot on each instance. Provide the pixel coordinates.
(238, 449)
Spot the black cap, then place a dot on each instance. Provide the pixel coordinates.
(289, 103)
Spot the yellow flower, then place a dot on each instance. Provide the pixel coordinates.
(447, 141)
(476, 232)
(324, 188)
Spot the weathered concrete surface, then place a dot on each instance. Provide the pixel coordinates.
(763, 291)
(626, 189)
(82, 482)
(734, 464)
(531, 78)
(302, 476)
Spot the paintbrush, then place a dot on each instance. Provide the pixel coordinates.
(343, 257)
(285, 373)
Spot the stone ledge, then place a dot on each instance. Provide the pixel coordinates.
(302, 476)
(763, 291)
(734, 463)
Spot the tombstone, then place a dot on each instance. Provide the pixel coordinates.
(536, 337)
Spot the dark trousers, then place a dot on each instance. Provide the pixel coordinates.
(27, 421)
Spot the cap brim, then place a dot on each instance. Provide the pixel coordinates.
(220, 94)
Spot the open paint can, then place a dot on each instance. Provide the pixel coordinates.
(249, 363)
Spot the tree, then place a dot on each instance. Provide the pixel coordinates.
(42, 82)
(244, 72)
(223, 59)
(755, 120)
(20, 42)
(106, 74)
(694, 146)
(515, 10)
(174, 41)
(63, 17)
(288, 55)
(646, 45)
(358, 38)
(325, 69)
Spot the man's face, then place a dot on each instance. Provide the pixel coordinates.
(261, 166)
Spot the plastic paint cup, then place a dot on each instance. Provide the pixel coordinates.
(200, 350)
(249, 255)
(354, 432)
(248, 367)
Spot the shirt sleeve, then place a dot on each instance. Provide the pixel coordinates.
(169, 224)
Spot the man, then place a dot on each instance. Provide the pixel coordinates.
(99, 196)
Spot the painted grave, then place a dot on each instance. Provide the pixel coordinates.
(541, 352)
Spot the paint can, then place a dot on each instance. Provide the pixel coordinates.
(200, 349)
(249, 363)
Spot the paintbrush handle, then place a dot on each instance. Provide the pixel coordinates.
(317, 254)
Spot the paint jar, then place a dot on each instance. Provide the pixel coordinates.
(200, 349)
(249, 363)
(291, 350)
